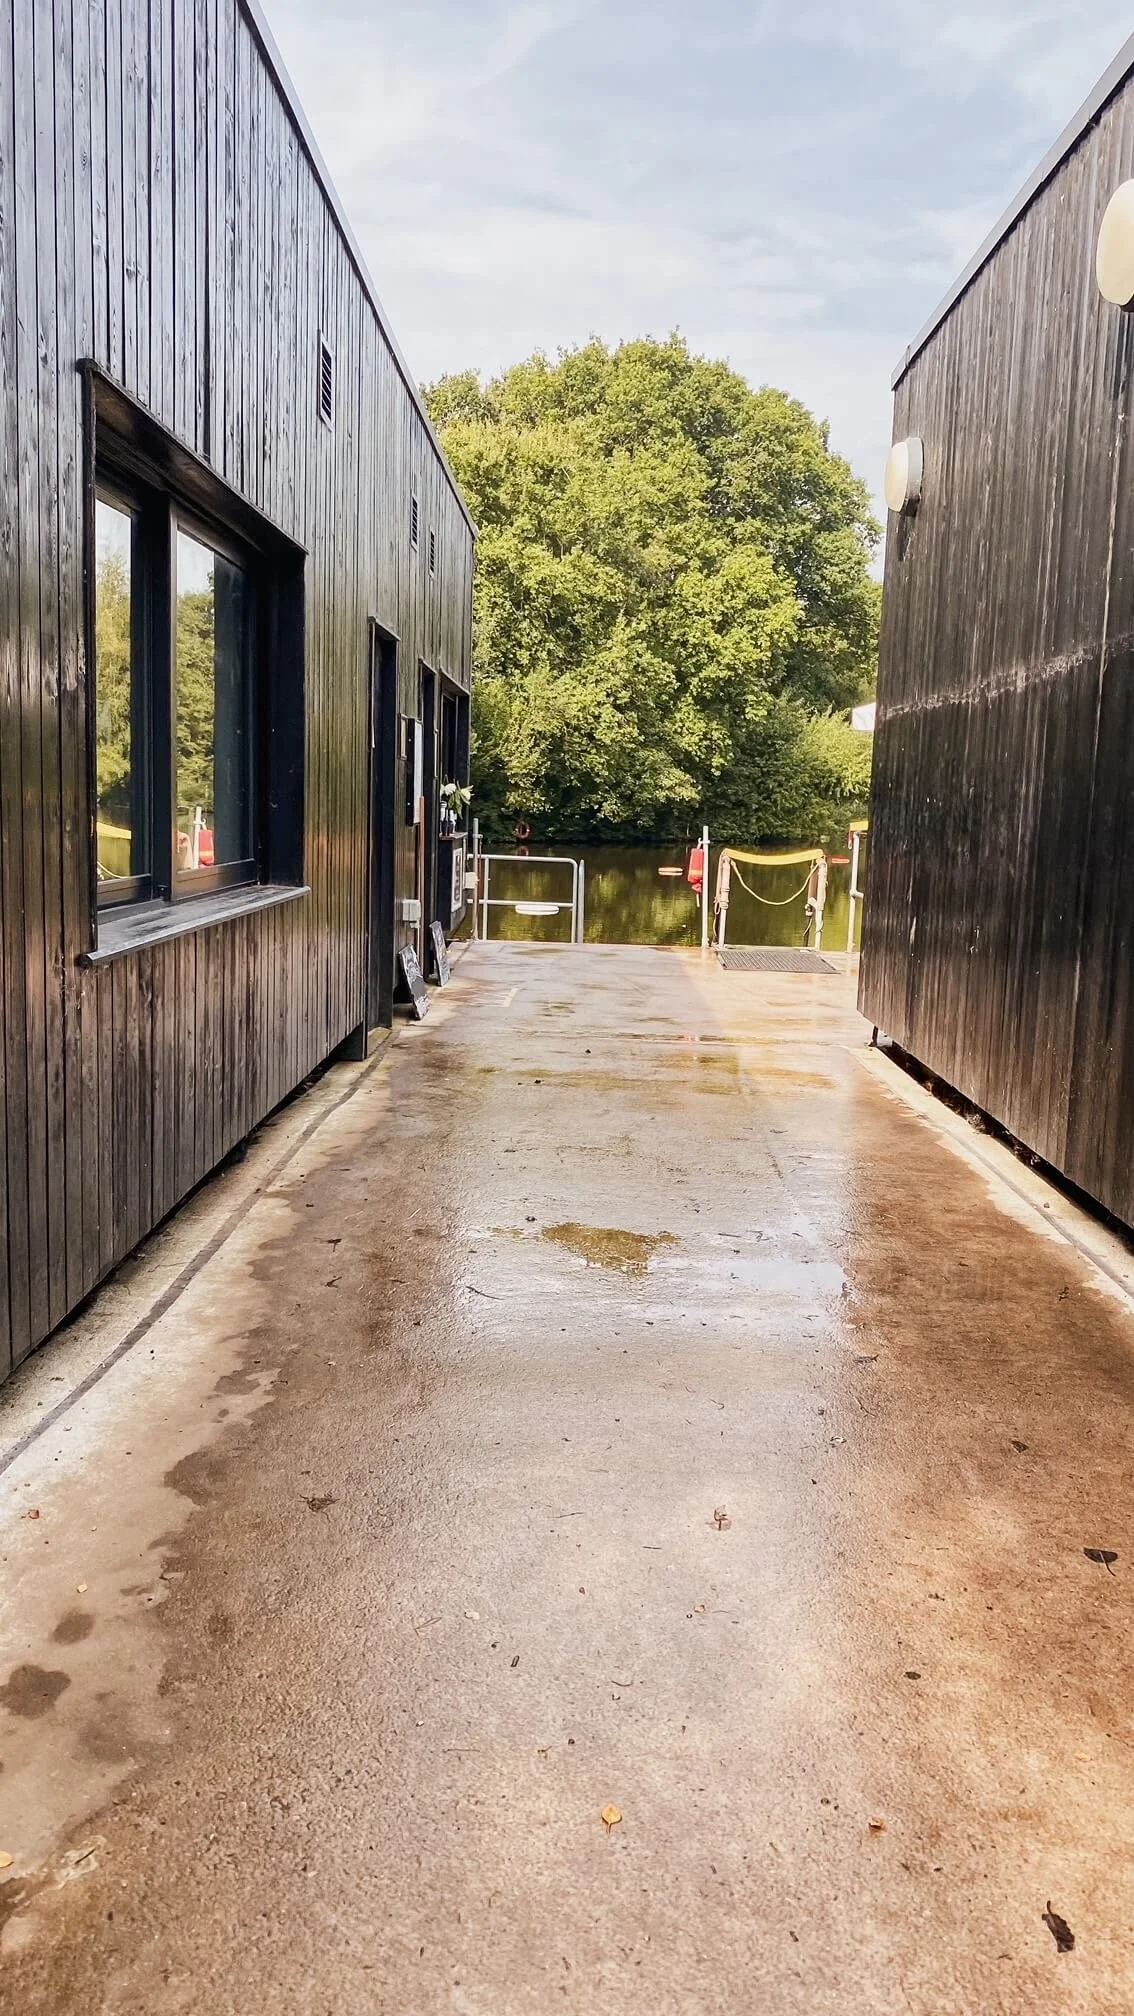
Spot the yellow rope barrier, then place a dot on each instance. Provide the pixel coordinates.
(775, 902)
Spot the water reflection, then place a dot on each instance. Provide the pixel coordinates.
(629, 903)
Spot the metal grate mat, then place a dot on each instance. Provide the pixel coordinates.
(772, 959)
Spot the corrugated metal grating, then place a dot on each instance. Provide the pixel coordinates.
(772, 959)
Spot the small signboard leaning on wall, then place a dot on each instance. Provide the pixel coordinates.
(415, 981)
(440, 952)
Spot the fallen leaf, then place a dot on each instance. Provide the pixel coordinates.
(319, 1504)
(698, 1609)
(722, 1519)
(611, 1817)
(6, 1860)
(473, 1616)
(878, 1826)
(1059, 1928)
(1082, 1756)
(80, 1588)
(33, 1513)
(1103, 1556)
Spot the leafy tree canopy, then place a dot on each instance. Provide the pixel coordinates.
(673, 604)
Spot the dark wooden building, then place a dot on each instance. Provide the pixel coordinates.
(235, 626)
(998, 942)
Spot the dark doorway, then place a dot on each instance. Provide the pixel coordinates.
(383, 754)
(429, 834)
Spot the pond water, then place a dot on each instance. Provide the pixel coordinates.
(629, 903)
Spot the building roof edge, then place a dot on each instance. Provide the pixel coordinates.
(1093, 105)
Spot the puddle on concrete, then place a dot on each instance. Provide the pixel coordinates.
(776, 1277)
(606, 1246)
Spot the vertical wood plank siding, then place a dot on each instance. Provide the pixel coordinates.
(997, 945)
(161, 213)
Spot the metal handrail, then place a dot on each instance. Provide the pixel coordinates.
(578, 886)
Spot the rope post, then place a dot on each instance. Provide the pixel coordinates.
(817, 900)
(724, 878)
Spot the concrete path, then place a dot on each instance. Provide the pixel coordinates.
(624, 1399)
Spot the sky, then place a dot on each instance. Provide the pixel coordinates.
(793, 184)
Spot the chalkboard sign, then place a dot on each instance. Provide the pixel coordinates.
(412, 975)
(440, 953)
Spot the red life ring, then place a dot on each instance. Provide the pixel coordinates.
(522, 830)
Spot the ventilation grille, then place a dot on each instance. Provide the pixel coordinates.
(326, 383)
(413, 522)
(433, 552)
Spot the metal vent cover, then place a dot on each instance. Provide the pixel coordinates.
(413, 522)
(433, 552)
(772, 959)
(326, 382)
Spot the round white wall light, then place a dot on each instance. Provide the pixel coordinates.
(1114, 253)
(903, 475)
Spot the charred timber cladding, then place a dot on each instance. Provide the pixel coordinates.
(996, 943)
(214, 624)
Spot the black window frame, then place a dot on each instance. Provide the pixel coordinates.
(133, 461)
(137, 887)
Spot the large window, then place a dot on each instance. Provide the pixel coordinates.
(195, 689)
(177, 700)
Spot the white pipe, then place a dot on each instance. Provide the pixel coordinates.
(705, 897)
(855, 891)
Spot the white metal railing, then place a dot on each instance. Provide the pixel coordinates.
(533, 906)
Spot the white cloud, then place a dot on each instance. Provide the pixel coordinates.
(793, 184)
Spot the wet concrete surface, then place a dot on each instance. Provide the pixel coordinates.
(625, 1399)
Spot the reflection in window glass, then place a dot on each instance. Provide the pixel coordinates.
(213, 706)
(117, 840)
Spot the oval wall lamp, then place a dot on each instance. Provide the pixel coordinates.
(902, 484)
(1114, 252)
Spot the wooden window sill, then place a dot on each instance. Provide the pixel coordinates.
(137, 925)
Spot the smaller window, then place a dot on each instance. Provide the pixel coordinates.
(214, 713)
(413, 522)
(433, 552)
(121, 796)
(326, 383)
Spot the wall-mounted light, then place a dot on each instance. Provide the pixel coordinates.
(1114, 253)
(902, 484)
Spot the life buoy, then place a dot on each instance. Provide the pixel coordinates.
(695, 873)
(522, 830)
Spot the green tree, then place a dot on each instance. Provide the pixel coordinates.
(673, 603)
(112, 660)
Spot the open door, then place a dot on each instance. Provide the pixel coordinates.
(429, 827)
(383, 831)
